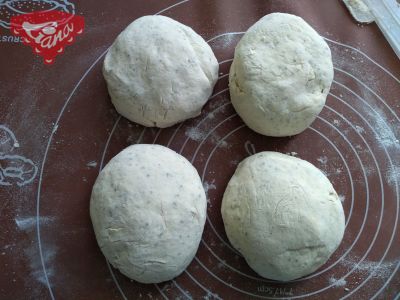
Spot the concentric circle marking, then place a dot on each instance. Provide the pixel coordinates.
(177, 129)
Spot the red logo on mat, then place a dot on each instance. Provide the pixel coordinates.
(47, 32)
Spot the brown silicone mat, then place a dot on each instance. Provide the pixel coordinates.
(60, 128)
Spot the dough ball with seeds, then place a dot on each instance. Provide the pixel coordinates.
(148, 209)
(159, 72)
(283, 215)
(280, 76)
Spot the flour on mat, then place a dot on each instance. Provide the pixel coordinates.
(342, 198)
(211, 296)
(385, 133)
(49, 253)
(369, 170)
(336, 122)
(91, 164)
(223, 144)
(225, 41)
(29, 223)
(381, 271)
(323, 159)
(337, 282)
(196, 134)
(211, 115)
(349, 59)
(209, 186)
(393, 175)
(359, 129)
(218, 104)
(234, 162)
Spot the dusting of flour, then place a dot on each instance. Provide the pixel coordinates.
(226, 41)
(199, 135)
(29, 223)
(195, 134)
(337, 282)
(207, 187)
(366, 267)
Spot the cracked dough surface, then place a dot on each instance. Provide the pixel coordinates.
(148, 209)
(280, 76)
(159, 72)
(283, 215)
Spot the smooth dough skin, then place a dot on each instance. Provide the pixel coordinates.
(283, 215)
(159, 72)
(280, 76)
(148, 209)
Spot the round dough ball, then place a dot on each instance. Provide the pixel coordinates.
(283, 215)
(280, 76)
(148, 209)
(159, 72)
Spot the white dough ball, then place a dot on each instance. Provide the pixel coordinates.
(148, 209)
(280, 76)
(159, 72)
(283, 215)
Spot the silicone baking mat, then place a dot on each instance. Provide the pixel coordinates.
(59, 129)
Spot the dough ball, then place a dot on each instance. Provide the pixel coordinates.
(148, 209)
(283, 215)
(280, 76)
(159, 72)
